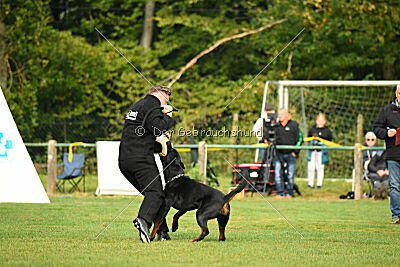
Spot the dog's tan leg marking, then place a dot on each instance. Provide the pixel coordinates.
(155, 228)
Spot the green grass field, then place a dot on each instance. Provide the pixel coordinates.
(337, 232)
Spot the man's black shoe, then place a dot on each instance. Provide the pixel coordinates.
(162, 236)
(141, 225)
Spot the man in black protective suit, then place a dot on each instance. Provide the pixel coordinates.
(147, 120)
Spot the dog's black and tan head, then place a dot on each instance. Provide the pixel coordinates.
(172, 163)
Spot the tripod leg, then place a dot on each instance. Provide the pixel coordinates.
(266, 171)
(268, 161)
(266, 179)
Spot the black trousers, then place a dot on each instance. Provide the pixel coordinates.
(143, 174)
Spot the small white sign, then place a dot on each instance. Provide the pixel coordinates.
(110, 179)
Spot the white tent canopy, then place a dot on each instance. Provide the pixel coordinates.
(19, 181)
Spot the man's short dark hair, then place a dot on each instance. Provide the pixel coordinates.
(160, 88)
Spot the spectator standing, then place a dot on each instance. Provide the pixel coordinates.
(288, 133)
(387, 127)
(318, 158)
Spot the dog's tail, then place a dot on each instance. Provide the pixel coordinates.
(238, 189)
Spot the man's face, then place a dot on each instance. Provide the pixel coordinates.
(370, 140)
(282, 115)
(164, 98)
(398, 93)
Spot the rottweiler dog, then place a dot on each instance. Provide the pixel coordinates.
(185, 194)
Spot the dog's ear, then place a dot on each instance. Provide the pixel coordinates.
(182, 165)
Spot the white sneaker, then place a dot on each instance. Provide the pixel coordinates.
(141, 225)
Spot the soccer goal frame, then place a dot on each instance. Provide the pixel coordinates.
(283, 92)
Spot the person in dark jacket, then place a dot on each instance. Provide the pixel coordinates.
(146, 121)
(318, 158)
(288, 133)
(379, 174)
(387, 127)
(370, 141)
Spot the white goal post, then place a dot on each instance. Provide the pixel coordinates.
(283, 86)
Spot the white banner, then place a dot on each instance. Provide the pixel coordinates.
(19, 181)
(110, 179)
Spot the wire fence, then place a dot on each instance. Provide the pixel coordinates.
(215, 158)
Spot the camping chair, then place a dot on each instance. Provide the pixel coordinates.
(72, 172)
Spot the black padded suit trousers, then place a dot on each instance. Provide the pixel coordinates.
(143, 174)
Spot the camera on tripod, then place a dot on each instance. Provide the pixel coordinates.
(269, 128)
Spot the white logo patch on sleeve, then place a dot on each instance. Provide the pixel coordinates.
(131, 115)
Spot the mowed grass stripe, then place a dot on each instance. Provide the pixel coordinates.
(336, 233)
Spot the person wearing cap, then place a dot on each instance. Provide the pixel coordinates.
(146, 121)
(386, 127)
(260, 126)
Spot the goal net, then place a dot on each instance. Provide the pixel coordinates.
(341, 102)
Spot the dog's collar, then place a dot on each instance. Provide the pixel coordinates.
(175, 177)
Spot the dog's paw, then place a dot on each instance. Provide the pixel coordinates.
(198, 239)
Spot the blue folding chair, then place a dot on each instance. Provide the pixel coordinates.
(72, 172)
